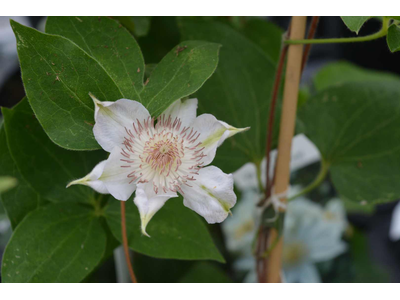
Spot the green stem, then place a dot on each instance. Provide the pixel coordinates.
(377, 35)
(317, 181)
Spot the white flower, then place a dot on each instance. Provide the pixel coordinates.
(158, 158)
(312, 233)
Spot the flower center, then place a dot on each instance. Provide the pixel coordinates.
(165, 153)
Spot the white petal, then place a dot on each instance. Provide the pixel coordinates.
(212, 134)
(148, 202)
(211, 194)
(113, 117)
(185, 111)
(92, 179)
(115, 177)
(232, 130)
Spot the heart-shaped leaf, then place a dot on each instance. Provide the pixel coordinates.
(55, 243)
(176, 232)
(362, 148)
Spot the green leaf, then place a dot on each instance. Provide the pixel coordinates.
(45, 166)
(393, 38)
(238, 93)
(355, 23)
(265, 34)
(205, 272)
(113, 47)
(55, 243)
(22, 199)
(176, 232)
(58, 76)
(180, 73)
(363, 145)
(338, 73)
(7, 183)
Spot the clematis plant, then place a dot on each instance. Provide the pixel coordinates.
(159, 158)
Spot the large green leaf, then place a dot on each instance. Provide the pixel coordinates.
(22, 199)
(238, 93)
(55, 243)
(393, 38)
(355, 23)
(338, 73)
(176, 232)
(111, 46)
(265, 34)
(45, 166)
(58, 74)
(356, 128)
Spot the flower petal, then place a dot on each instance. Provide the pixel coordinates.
(113, 117)
(92, 179)
(185, 111)
(211, 194)
(212, 134)
(115, 177)
(148, 202)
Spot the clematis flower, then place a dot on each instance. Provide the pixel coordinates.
(160, 158)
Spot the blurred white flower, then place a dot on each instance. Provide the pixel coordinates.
(312, 233)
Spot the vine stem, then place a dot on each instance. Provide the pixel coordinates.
(287, 126)
(125, 243)
(317, 181)
(374, 36)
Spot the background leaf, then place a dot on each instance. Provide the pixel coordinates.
(56, 243)
(393, 38)
(265, 34)
(362, 147)
(355, 23)
(58, 76)
(176, 232)
(238, 93)
(338, 73)
(45, 166)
